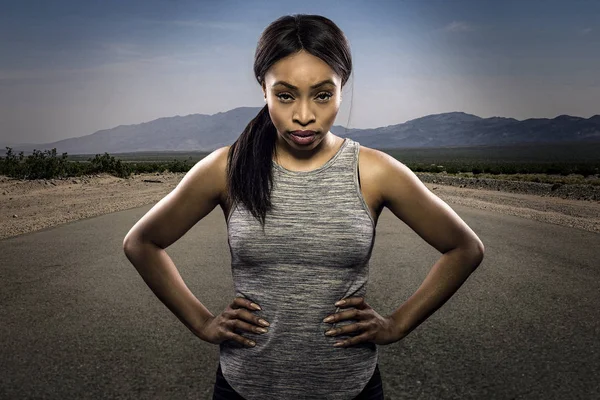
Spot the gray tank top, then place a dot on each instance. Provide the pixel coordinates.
(314, 251)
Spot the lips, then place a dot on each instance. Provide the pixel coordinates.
(303, 133)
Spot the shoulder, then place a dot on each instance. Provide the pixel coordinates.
(220, 159)
(221, 154)
(216, 162)
(209, 174)
(383, 170)
(405, 195)
(396, 186)
(375, 159)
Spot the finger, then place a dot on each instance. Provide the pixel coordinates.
(239, 302)
(340, 330)
(239, 338)
(239, 324)
(358, 302)
(364, 337)
(246, 315)
(348, 314)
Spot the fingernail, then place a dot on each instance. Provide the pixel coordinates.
(327, 319)
(337, 344)
(263, 322)
(341, 302)
(255, 306)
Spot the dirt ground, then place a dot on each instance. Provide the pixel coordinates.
(27, 206)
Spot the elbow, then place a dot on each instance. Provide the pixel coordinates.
(128, 242)
(474, 246)
(134, 241)
(473, 251)
(480, 248)
(477, 252)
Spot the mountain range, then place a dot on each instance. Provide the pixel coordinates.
(201, 132)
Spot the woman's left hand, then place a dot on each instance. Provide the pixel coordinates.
(375, 328)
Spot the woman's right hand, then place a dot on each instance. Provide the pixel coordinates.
(236, 316)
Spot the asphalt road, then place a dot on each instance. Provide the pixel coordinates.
(78, 322)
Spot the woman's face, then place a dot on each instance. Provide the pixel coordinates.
(303, 107)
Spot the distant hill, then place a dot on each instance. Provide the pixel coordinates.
(201, 132)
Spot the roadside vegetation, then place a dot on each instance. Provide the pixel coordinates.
(468, 163)
(47, 165)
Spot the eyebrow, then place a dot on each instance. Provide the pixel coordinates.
(325, 82)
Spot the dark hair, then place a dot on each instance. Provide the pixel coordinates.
(249, 175)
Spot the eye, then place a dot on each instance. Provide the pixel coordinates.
(285, 97)
(280, 96)
(329, 95)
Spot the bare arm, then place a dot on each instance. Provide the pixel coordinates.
(432, 219)
(160, 274)
(197, 194)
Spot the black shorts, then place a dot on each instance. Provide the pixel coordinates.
(373, 390)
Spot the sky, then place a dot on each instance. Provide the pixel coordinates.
(69, 68)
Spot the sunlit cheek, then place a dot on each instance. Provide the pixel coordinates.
(275, 114)
(332, 113)
(277, 120)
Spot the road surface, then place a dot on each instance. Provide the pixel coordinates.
(78, 322)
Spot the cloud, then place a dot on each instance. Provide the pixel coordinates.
(458, 26)
(584, 31)
(44, 76)
(122, 59)
(122, 49)
(222, 25)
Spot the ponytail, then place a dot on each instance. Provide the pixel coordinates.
(249, 173)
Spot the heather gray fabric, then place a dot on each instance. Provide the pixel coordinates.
(314, 251)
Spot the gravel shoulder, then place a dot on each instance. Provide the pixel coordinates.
(27, 206)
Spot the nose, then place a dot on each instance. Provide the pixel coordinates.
(303, 114)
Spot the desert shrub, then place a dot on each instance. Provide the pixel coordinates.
(39, 165)
(10, 165)
(46, 165)
(178, 166)
(108, 164)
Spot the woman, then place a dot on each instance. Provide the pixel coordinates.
(301, 211)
